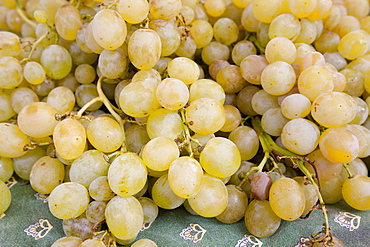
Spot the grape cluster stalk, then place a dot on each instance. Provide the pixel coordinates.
(241, 110)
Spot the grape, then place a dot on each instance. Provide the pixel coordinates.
(9, 43)
(362, 111)
(95, 211)
(144, 242)
(163, 195)
(165, 9)
(136, 138)
(302, 8)
(22, 96)
(273, 121)
(11, 74)
(356, 192)
(230, 79)
(225, 30)
(331, 190)
(321, 11)
(262, 101)
(233, 118)
(56, 61)
(79, 227)
(68, 200)
(212, 199)
(354, 44)
(310, 194)
(260, 219)
(184, 69)
(150, 209)
(67, 21)
(278, 78)
(164, 123)
(99, 189)
(325, 168)
(23, 164)
(202, 32)
(295, 106)
(287, 199)
(285, 25)
(206, 88)
(260, 185)
(92, 242)
(246, 139)
(6, 168)
(186, 48)
(215, 51)
(266, 11)
(357, 167)
(236, 207)
(6, 109)
(241, 50)
(34, 73)
(133, 11)
(281, 49)
(172, 94)
(354, 82)
(67, 241)
(169, 35)
(124, 217)
(5, 196)
(13, 141)
(85, 93)
(327, 42)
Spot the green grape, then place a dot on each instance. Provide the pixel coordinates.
(321, 11)
(163, 195)
(185, 176)
(287, 199)
(150, 209)
(164, 123)
(310, 194)
(50, 8)
(331, 190)
(220, 157)
(79, 227)
(212, 199)
(260, 219)
(87, 167)
(23, 164)
(67, 241)
(354, 44)
(62, 99)
(225, 31)
(302, 8)
(69, 82)
(14, 21)
(144, 242)
(99, 189)
(9, 43)
(144, 48)
(355, 192)
(67, 21)
(236, 207)
(244, 100)
(42, 90)
(302, 51)
(85, 93)
(230, 79)
(90, 41)
(105, 134)
(95, 211)
(148, 75)
(6, 109)
(248, 20)
(184, 69)
(127, 174)
(205, 116)
(278, 78)
(233, 118)
(246, 139)
(159, 153)
(327, 42)
(346, 24)
(69, 138)
(136, 138)
(68, 200)
(112, 63)
(354, 82)
(280, 49)
(356, 167)
(251, 68)
(187, 47)
(266, 11)
(11, 72)
(22, 96)
(172, 94)
(6, 168)
(124, 217)
(56, 61)
(215, 8)
(46, 174)
(34, 73)
(202, 32)
(326, 169)
(262, 101)
(168, 33)
(285, 25)
(166, 9)
(241, 50)
(133, 11)
(339, 145)
(362, 111)
(5, 196)
(295, 106)
(187, 14)
(206, 88)
(300, 136)
(216, 65)
(13, 141)
(92, 242)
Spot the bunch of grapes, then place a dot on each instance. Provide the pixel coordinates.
(253, 109)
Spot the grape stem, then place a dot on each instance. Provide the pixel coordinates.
(34, 45)
(350, 175)
(187, 135)
(21, 13)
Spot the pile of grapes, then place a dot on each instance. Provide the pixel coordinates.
(253, 109)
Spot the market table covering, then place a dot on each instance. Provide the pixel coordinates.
(28, 223)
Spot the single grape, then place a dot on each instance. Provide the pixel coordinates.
(79, 227)
(260, 185)
(356, 192)
(236, 207)
(67, 241)
(5, 196)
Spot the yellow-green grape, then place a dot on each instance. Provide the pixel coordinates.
(280, 49)
(22, 96)
(260, 219)
(95, 211)
(331, 190)
(287, 199)
(212, 199)
(236, 207)
(302, 8)
(187, 14)
(144, 242)
(248, 20)
(295, 106)
(46, 174)
(184, 69)
(150, 75)
(34, 73)
(39, 15)
(163, 195)
(215, 8)
(165, 123)
(105, 134)
(310, 194)
(62, 99)
(80, 227)
(327, 42)
(138, 99)
(246, 139)
(324, 169)
(339, 145)
(6, 168)
(99, 189)
(92, 242)
(124, 217)
(85, 73)
(166, 9)
(81, 39)
(300, 136)
(242, 3)
(285, 25)
(314, 81)
(225, 31)
(50, 8)
(233, 118)
(220, 157)
(56, 61)
(150, 209)
(185, 176)
(262, 101)
(159, 153)
(346, 24)
(302, 50)
(172, 94)
(43, 89)
(321, 11)
(136, 138)
(23, 164)
(90, 40)
(207, 88)
(67, 21)
(251, 68)
(144, 48)
(9, 43)
(202, 33)
(278, 78)
(69, 138)
(356, 167)
(5, 196)
(205, 116)
(6, 109)
(364, 23)
(333, 109)
(216, 65)
(362, 133)
(87, 167)
(3, 11)
(14, 21)
(133, 11)
(70, 82)
(70, 241)
(266, 11)
(357, 8)
(11, 72)
(169, 34)
(85, 93)
(112, 63)
(37, 119)
(103, 23)
(354, 44)
(339, 81)
(51, 37)
(241, 50)
(333, 18)
(308, 32)
(187, 47)
(354, 82)
(273, 121)
(68, 200)
(362, 111)
(230, 79)
(127, 174)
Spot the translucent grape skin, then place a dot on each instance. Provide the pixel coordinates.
(13, 141)
(5, 196)
(79, 227)
(356, 192)
(236, 207)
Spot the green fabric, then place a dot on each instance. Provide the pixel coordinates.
(25, 210)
